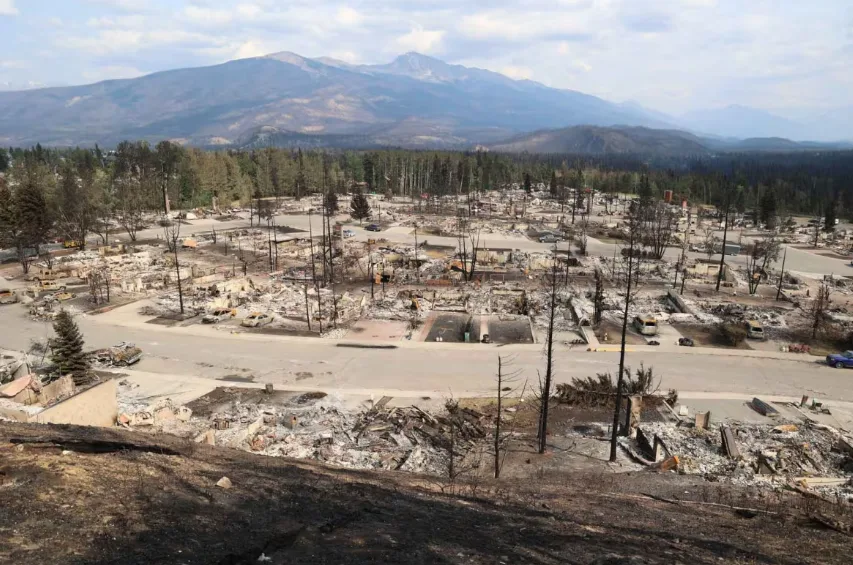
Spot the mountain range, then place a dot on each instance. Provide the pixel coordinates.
(596, 140)
(414, 101)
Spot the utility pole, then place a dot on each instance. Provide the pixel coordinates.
(545, 395)
(314, 272)
(370, 262)
(178, 273)
(725, 238)
(683, 258)
(781, 275)
(307, 308)
(618, 409)
(417, 264)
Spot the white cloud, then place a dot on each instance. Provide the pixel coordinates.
(513, 25)
(131, 21)
(117, 40)
(249, 11)
(126, 5)
(12, 64)
(7, 8)
(421, 40)
(517, 72)
(207, 16)
(345, 56)
(699, 3)
(349, 17)
(250, 49)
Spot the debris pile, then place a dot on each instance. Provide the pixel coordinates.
(120, 355)
(407, 439)
(318, 427)
(806, 454)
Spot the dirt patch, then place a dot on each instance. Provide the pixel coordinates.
(509, 331)
(222, 397)
(161, 321)
(706, 336)
(450, 327)
(237, 378)
(267, 330)
(614, 334)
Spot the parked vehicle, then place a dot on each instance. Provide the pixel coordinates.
(218, 315)
(63, 296)
(373, 227)
(840, 360)
(256, 320)
(71, 244)
(348, 234)
(50, 286)
(732, 249)
(646, 324)
(42, 274)
(685, 342)
(754, 330)
(549, 238)
(120, 355)
(8, 296)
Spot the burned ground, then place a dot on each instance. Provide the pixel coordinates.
(136, 504)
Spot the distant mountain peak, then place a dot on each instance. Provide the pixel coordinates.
(291, 59)
(332, 62)
(420, 66)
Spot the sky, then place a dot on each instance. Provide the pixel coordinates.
(793, 57)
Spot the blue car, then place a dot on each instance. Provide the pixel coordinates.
(840, 360)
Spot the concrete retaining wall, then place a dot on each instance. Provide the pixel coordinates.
(679, 303)
(96, 406)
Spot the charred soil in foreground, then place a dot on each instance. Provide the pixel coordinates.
(89, 495)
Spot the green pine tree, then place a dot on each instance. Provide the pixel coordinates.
(32, 211)
(831, 214)
(527, 186)
(553, 185)
(768, 208)
(67, 353)
(359, 207)
(645, 192)
(330, 201)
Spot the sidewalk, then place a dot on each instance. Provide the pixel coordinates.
(722, 405)
(127, 316)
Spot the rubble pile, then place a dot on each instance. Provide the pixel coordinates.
(740, 313)
(779, 455)
(13, 365)
(407, 439)
(308, 427)
(397, 306)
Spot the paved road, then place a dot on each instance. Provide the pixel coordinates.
(442, 368)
